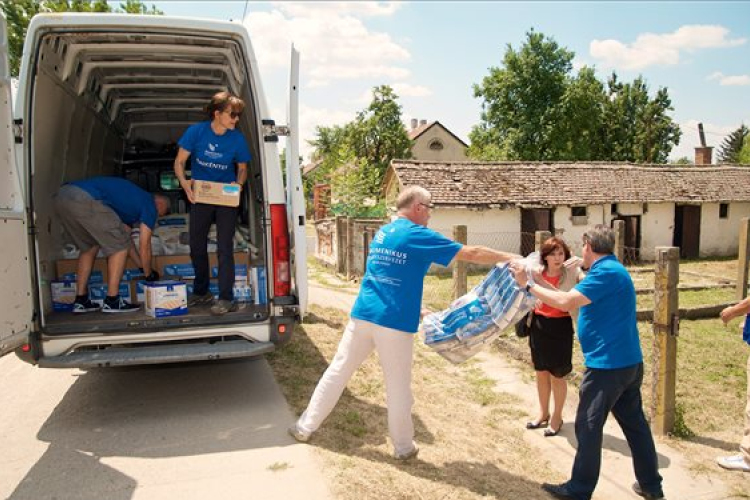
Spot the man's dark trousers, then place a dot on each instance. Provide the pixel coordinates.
(618, 391)
(201, 218)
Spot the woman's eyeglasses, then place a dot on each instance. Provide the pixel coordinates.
(428, 205)
(234, 114)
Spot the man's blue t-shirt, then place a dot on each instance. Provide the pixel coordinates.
(400, 255)
(607, 328)
(214, 156)
(132, 204)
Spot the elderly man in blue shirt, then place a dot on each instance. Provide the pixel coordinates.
(608, 334)
(386, 316)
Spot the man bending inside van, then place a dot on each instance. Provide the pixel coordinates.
(98, 214)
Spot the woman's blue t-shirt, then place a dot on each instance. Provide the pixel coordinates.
(214, 156)
(400, 256)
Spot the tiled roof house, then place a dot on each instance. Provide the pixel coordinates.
(697, 208)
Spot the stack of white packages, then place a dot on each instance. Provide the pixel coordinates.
(477, 318)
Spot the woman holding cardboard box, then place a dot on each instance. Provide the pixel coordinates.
(215, 146)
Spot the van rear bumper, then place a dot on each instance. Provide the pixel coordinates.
(151, 355)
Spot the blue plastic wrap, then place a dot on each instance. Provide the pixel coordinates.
(477, 318)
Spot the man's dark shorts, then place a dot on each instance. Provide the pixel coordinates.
(90, 222)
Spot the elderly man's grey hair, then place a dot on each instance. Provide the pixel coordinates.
(411, 195)
(601, 238)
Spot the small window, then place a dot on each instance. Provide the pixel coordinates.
(723, 210)
(613, 208)
(436, 145)
(579, 216)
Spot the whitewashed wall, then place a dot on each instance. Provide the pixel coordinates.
(495, 228)
(720, 237)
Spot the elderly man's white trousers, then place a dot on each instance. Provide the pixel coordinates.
(395, 349)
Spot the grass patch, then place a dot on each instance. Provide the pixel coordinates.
(471, 442)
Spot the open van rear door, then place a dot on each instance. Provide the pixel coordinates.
(294, 192)
(15, 270)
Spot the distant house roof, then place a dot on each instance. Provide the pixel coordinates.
(475, 184)
(310, 167)
(418, 131)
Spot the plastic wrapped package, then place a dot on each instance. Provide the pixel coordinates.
(476, 319)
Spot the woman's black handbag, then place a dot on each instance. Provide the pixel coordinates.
(523, 327)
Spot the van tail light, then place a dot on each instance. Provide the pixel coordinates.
(280, 245)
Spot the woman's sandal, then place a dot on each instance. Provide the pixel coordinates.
(549, 432)
(538, 425)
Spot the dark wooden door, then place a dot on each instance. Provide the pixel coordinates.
(687, 230)
(632, 237)
(532, 220)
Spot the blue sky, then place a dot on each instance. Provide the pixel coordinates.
(433, 52)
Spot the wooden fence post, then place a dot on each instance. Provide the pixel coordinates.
(619, 227)
(539, 238)
(460, 235)
(666, 329)
(743, 254)
(349, 248)
(340, 244)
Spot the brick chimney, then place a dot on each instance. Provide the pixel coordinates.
(703, 155)
(423, 122)
(414, 122)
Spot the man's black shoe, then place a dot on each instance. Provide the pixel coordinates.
(648, 496)
(558, 491)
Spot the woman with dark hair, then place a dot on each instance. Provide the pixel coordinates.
(551, 337)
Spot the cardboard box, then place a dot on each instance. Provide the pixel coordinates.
(63, 294)
(94, 277)
(216, 193)
(240, 272)
(98, 291)
(66, 266)
(166, 298)
(179, 271)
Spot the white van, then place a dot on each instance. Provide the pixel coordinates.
(107, 94)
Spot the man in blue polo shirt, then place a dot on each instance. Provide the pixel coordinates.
(386, 315)
(608, 333)
(97, 214)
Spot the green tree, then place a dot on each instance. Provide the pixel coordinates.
(520, 100)
(683, 160)
(355, 156)
(535, 109)
(18, 14)
(744, 156)
(729, 151)
(377, 136)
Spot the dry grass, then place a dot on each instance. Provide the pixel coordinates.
(470, 436)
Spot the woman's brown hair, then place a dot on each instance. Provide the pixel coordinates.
(550, 245)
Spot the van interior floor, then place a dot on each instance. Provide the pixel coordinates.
(60, 323)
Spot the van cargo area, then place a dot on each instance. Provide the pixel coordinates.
(114, 100)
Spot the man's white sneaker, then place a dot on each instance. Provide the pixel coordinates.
(297, 434)
(408, 455)
(735, 462)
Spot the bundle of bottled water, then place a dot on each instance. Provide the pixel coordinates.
(477, 318)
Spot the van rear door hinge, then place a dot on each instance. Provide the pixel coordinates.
(271, 131)
(18, 130)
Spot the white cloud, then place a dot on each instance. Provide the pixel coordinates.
(334, 43)
(409, 90)
(661, 49)
(309, 118)
(727, 80)
(309, 9)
